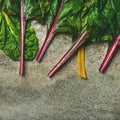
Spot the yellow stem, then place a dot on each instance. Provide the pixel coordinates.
(7, 21)
(81, 63)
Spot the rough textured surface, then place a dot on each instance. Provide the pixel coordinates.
(65, 96)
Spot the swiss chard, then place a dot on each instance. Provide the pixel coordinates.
(10, 32)
(97, 20)
(114, 23)
(57, 16)
(91, 17)
(62, 16)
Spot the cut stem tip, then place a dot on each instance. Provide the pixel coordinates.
(109, 54)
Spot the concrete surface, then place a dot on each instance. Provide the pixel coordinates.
(65, 96)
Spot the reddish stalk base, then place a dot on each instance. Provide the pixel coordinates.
(109, 54)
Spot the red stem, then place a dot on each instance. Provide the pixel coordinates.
(109, 54)
(69, 53)
(49, 35)
(22, 29)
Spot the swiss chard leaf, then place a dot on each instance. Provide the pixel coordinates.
(10, 39)
(102, 22)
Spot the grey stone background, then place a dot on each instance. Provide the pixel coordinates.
(65, 96)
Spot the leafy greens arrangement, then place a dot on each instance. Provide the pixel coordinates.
(60, 16)
(85, 20)
(91, 17)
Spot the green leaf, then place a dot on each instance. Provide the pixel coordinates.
(115, 5)
(10, 38)
(103, 22)
(31, 9)
(31, 43)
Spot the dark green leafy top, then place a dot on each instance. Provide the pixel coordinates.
(104, 20)
(99, 17)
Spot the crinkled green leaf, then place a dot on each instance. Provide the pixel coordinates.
(10, 38)
(31, 9)
(97, 26)
(102, 22)
(115, 5)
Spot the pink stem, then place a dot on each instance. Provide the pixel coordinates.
(22, 29)
(109, 54)
(49, 35)
(69, 53)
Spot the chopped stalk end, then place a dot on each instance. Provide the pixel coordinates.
(40, 54)
(52, 71)
(21, 69)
